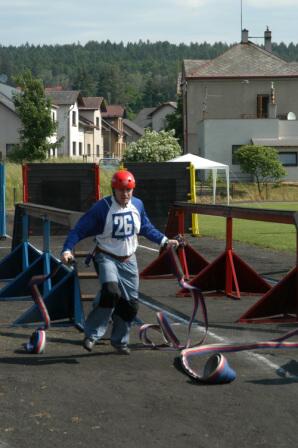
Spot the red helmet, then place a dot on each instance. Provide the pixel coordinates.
(123, 180)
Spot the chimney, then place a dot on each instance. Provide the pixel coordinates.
(267, 40)
(244, 36)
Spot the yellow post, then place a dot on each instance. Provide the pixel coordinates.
(193, 198)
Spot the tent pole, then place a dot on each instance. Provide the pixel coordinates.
(193, 197)
(214, 177)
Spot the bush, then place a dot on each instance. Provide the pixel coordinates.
(153, 147)
(262, 162)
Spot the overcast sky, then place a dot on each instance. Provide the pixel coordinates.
(72, 21)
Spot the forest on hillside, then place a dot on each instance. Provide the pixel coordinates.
(136, 75)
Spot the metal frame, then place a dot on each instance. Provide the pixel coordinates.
(2, 202)
(61, 294)
(280, 303)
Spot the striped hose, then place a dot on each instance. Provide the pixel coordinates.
(216, 369)
(37, 341)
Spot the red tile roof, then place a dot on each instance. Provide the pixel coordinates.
(242, 60)
(114, 110)
(54, 88)
(94, 102)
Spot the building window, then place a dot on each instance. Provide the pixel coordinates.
(74, 148)
(74, 118)
(89, 149)
(97, 122)
(288, 158)
(10, 147)
(80, 148)
(262, 106)
(234, 155)
(97, 150)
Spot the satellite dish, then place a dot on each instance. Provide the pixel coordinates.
(3, 78)
(291, 116)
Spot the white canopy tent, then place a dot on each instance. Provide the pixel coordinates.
(204, 164)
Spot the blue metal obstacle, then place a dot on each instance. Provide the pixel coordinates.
(2, 202)
(20, 258)
(61, 292)
(18, 289)
(63, 301)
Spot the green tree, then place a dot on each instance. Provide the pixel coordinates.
(34, 110)
(175, 121)
(156, 90)
(110, 83)
(153, 147)
(83, 82)
(262, 162)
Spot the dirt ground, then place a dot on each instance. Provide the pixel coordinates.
(71, 398)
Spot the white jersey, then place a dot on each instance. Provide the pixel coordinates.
(120, 231)
(115, 228)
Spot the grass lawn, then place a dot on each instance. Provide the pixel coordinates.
(264, 234)
(275, 236)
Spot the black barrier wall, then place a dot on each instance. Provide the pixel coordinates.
(71, 186)
(75, 186)
(159, 185)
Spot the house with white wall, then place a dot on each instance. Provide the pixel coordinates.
(160, 113)
(114, 135)
(53, 138)
(68, 130)
(90, 119)
(155, 117)
(78, 121)
(244, 96)
(11, 124)
(132, 131)
(79, 124)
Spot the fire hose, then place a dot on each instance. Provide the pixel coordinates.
(217, 369)
(37, 341)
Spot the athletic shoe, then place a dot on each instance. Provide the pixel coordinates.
(88, 344)
(122, 350)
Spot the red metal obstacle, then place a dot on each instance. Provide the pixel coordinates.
(229, 273)
(175, 225)
(191, 261)
(25, 183)
(280, 304)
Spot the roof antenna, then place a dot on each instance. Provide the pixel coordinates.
(241, 16)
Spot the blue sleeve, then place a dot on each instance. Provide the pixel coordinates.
(90, 224)
(147, 228)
